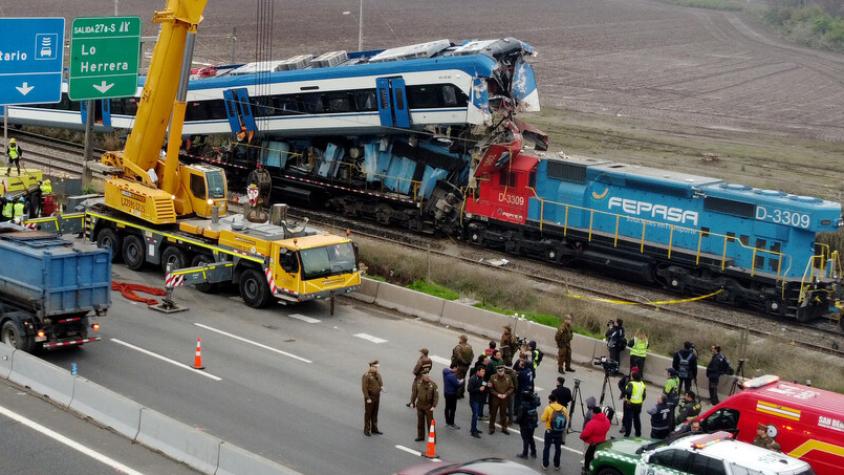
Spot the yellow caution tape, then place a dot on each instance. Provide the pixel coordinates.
(654, 302)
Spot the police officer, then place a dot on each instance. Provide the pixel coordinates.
(423, 366)
(508, 345)
(689, 407)
(372, 385)
(462, 355)
(671, 389)
(662, 418)
(501, 389)
(718, 365)
(427, 397)
(564, 335)
(634, 397)
(14, 153)
(685, 363)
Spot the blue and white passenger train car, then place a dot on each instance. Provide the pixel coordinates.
(431, 85)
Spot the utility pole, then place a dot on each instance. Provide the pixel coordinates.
(89, 124)
(116, 3)
(360, 27)
(234, 44)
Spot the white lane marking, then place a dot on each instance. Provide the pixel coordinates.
(441, 360)
(104, 459)
(254, 343)
(368, 337)
(414, 452)
(165, 359)
(540, 439)
(306, 319)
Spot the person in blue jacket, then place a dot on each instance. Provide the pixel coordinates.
(451, 388)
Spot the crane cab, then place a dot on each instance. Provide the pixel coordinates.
(202, 188)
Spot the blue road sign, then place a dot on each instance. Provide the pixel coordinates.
(31, 60)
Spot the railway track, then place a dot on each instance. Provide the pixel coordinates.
(808, 337)
(818, 336)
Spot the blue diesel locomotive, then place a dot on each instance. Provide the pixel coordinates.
(693, 234)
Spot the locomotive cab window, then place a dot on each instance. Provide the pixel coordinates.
(507, 179)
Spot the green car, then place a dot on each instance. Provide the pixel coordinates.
(694, 454)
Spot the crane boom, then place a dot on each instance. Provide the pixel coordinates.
(145, 186)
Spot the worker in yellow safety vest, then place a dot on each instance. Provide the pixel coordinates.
(18, 210)
(14, 153)
(46, 187)
(8, 209)
(634, 397)
(639, 351)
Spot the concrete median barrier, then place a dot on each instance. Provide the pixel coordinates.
(180, 441)
(236, 461)
(408, 301)
(106, 407)
(42, 378)
(6, 355)
(368, 290)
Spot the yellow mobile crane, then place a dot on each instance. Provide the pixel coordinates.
(162, 212)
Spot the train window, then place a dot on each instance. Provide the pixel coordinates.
(216, 109)
(449, 95)
(507, 179)
(704, 232)
(311, 103)
(759, 262)
(285, 105)
(774, 259)
(196, 111)
(736, 208)
(262, 106)
(337, 102)
(745, 240)
(130, 107)
(564, 171)
(731, 237)
(365, 100)
(399, 99)
(532, 180)
(117, 107)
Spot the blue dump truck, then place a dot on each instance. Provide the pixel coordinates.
(50, 288)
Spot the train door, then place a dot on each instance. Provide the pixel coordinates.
(392, 102)
(102, 112)
(239, 111)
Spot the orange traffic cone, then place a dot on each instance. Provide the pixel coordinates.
(197, 359)
(431, 449)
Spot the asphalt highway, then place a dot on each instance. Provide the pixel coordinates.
(40, 438)
(285, 382)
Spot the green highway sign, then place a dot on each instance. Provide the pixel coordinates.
(104, 56)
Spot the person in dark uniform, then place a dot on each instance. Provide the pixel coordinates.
(718, 366)
(563, 338)
(508, 345)
(427, 396)
(372, 385)
(423, 366)
(685, 363)
(616, 340)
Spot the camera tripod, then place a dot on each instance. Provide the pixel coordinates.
(739, 376)
(607, 386)
(576, 394)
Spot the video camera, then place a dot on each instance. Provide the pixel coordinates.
(610, 366)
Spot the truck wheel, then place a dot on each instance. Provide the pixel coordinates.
(133, 252)
(14, 337)
(174, 257)
(254, 289)
(108, 239)
(201, 260)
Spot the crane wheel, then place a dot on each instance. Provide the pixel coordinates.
(133, 252)
(254, 289)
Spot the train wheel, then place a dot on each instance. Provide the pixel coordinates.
(774, 306)
(133, 252)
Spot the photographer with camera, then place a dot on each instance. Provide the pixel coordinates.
(685, 363)
(616, 341)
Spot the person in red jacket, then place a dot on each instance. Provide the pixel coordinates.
(593, 434)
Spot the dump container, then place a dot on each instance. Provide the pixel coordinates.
(50, 276)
